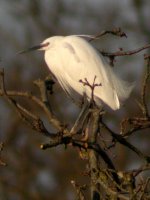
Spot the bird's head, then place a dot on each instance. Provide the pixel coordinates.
(42, 46)
(45, 45)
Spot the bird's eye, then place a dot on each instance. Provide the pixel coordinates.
(46, 44)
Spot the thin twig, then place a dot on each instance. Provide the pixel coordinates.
(141, 169)
(113, 55)
(33, 121)
(122, 141)
(135, 124)
(114, 31)
(124, 53)
(92, 87)
(52, 118)
(26, 115)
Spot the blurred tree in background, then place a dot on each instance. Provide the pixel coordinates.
(30, 172)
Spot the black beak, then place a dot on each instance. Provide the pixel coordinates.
(34, 48)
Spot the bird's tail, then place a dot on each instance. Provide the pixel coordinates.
(122, 88)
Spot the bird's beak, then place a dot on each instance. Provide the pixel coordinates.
(37, 47)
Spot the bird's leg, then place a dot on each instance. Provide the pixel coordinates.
(79, 123)
(85, 131)
(87, 122)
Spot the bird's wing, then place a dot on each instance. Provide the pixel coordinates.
(80, 60)
(74, 59)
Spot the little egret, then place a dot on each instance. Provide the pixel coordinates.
(72, 60)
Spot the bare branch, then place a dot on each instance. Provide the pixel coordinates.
(113, 55)
(51, 117)
(124, 53)
(114, 31)
(121, 140)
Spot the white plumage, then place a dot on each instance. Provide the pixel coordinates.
(72, 58)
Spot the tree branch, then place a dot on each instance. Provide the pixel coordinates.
(113, 55)
(123, 141)
(114, 31)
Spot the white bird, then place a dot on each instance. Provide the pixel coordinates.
(71, 59)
